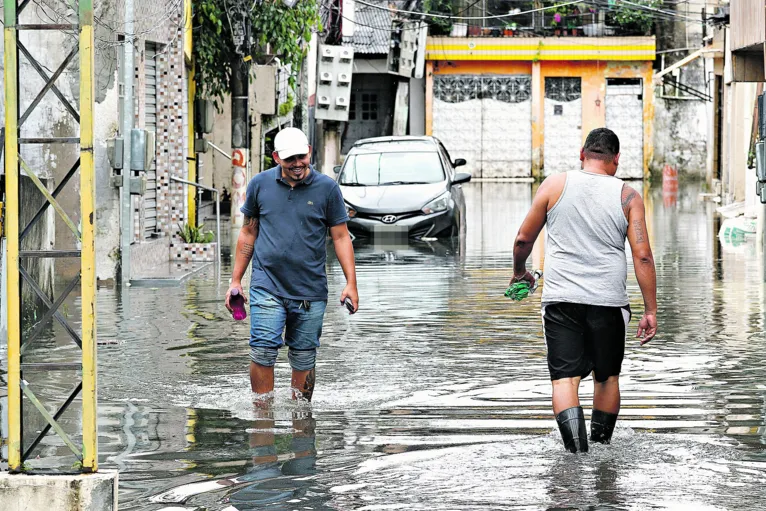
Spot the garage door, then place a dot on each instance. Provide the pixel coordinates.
(563, 125)
(625, 116)
(150, 197)
(487, 120)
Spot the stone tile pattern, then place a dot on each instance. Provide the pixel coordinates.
(192, 252)
(171, 137)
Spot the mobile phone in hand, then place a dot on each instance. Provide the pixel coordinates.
(349, 305)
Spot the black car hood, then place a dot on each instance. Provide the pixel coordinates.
(391, 198)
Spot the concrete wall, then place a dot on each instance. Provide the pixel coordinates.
(681, 125)
(155, 21)
(681, 131)
(91, 492)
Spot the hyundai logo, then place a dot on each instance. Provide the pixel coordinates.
(388, 219)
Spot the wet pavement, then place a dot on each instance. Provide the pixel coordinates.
(436, 394)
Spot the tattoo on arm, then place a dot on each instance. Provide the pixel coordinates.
(247, 250)
(627, 199)
(251, 221)
(639, 230)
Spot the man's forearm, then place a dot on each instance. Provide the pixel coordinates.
(344, 250)
(521, 251)
(243, 255)
(647, 281)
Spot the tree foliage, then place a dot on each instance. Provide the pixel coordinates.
(439, 26)
(271, 22)
(643, 19)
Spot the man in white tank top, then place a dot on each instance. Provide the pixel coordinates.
(589, 213)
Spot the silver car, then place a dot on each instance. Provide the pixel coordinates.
(402, 187)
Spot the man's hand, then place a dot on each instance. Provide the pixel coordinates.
(647, 327)
(526, 277)
(238, 286)
(350, 292)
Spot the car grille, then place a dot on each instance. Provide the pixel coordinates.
(379, 217)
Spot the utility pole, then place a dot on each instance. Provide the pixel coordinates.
(126, 217)
(240, 136)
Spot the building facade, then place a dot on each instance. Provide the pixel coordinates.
(522, 107)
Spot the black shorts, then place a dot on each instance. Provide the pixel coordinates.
(585, 338)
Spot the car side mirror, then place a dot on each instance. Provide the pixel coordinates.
(461, 177)
(336, 169)
(459, 162)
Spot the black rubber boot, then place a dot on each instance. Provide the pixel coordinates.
(572, 427)
(602, 426)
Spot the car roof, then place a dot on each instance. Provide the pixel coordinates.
(397, 144)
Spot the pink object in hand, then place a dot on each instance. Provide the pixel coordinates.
(237, 303)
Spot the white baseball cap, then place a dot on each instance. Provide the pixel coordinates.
(289, 142)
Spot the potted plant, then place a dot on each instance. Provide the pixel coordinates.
(510, 30)
(573, 30)
(555, 24)
(574, 21)
(195, 244)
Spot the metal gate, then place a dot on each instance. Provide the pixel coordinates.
(150, 122)
(563, 125)
(625, 116)
(487, 120)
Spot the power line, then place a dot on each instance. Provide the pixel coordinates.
(451, 16)
(664, 15)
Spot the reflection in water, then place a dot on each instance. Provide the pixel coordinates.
(264, 481)
(436, 394)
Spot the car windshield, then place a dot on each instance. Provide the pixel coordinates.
(394, 168)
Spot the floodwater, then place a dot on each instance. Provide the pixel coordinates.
(436, 394)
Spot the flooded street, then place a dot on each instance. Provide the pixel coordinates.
(436, 395)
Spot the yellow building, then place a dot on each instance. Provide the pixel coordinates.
(522, 106)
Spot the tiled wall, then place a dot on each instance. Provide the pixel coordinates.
(171, 137)
(192, 252)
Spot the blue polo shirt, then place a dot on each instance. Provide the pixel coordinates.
(290, 251)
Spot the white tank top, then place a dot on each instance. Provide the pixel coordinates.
(585, 243)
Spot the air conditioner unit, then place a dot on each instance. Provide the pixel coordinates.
(323, 101)
(341, 103)
(325, 77)
(344, 79)
(327, 54)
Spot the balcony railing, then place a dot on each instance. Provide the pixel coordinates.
(573, 20)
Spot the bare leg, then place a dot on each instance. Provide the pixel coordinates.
(606, 395)
(261, 378)
(565, 394)
(303, 381)
(262, 438)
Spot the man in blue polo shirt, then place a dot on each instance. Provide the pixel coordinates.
(288, 210)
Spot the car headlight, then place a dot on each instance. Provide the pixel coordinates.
(350, 210)
(440, 203)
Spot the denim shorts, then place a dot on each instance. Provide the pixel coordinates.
(270, 316)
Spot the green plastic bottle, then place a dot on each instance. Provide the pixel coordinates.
(520, 290)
